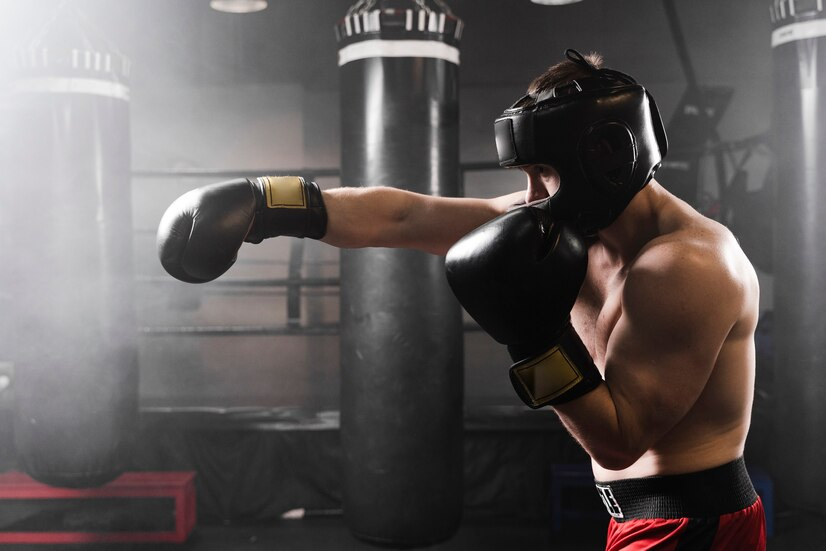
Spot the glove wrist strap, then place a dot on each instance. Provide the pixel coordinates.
(287, 205)
(561, 373)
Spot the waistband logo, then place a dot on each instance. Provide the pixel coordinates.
(609, 500)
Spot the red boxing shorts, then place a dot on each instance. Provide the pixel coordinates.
(712, 510)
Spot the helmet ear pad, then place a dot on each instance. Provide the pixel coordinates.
(608, 156)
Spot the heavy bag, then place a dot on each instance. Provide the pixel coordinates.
(401, 328)
(67, 255)
(799, 143)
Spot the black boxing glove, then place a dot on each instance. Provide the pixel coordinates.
(200, 233)
(518, 276)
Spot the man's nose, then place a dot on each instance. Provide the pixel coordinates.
(536, 189)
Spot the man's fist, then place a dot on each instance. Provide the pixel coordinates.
(519, 276)
(200, 233)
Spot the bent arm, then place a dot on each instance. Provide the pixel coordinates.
(390, 217)
(678, 309)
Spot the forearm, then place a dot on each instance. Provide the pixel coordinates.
(604, 428)
(390, 217)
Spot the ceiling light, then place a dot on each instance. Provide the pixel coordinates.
(238, 6)
(554, 2)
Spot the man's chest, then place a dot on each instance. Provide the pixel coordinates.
(596, 312)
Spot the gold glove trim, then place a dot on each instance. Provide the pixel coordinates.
(284, 192)
(548, 376)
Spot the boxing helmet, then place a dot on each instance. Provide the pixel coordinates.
(602, 133)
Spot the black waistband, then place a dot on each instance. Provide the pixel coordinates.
(712, 492)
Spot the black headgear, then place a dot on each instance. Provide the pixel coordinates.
(602, 133)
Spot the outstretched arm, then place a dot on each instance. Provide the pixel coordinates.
(201, 232)
(390, 217)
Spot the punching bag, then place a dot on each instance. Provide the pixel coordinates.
(799, 143)
(401, 328)
(68, 262)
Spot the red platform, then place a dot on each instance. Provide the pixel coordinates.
(178, 487)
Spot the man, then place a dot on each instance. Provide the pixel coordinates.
(625, 310)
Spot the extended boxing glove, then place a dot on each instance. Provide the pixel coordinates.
(518, 276)
(200, 233)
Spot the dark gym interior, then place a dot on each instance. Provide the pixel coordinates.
(239, 387)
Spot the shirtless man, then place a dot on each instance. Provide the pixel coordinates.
(625, 310)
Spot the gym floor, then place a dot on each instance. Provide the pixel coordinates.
(794, 532)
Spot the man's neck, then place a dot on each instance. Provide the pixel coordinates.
(638, 224)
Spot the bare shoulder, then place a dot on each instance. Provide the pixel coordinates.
(698, 247)
(696, 269)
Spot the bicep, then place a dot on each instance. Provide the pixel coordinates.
(390, 217)
(664, 346)
(436, 223)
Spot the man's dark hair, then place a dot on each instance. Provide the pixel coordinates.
(563, 72)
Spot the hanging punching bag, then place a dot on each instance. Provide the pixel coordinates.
(401, 328)
(799, 142)
(68, 263)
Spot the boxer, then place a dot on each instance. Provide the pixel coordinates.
(623, 309)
